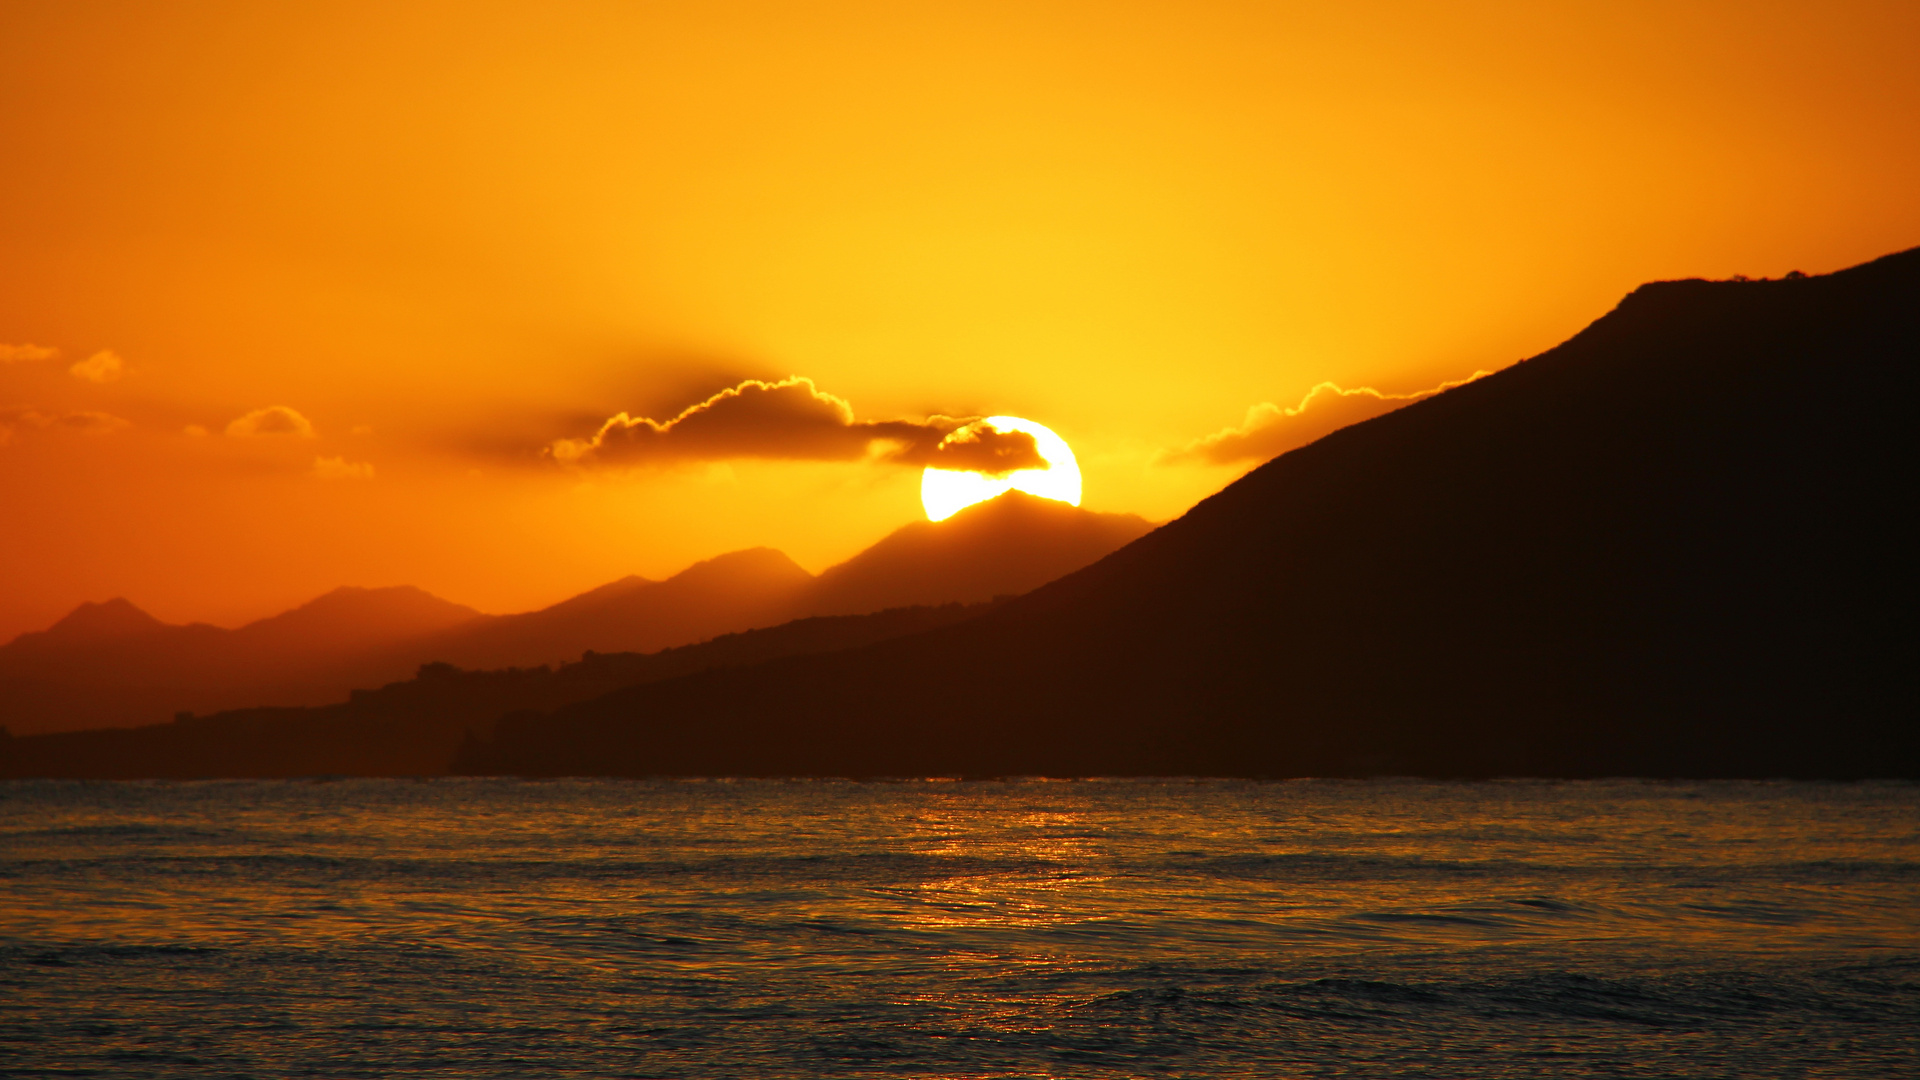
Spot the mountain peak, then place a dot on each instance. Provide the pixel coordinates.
(355, 614)
(762, 563)
(103, 621)
(1016, 504)
(357, 598)
(1006, 545)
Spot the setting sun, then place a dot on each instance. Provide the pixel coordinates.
(457, 478)
(945, 492)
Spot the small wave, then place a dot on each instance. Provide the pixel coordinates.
(113, 831)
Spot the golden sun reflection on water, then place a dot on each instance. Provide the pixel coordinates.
(1031, 872)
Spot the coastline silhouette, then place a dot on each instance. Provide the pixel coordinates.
(113, 665)
(1671, 546)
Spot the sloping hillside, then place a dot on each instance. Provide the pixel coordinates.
(1675, 545)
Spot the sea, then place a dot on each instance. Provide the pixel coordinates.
(1024, 928)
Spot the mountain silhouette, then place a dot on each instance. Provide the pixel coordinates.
(93, 624)
(737, 591)
(416, 727)
(1001, 547)
(1676, 545)
(1008, 545)
(350, 618)
(113, 665)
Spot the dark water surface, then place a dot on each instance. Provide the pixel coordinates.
(768, 929)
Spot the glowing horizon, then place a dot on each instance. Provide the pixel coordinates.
(360, 294)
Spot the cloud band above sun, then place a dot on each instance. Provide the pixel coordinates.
(794, 420)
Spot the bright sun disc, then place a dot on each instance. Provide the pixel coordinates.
(945, 492)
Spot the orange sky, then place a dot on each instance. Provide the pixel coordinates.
(446, 236)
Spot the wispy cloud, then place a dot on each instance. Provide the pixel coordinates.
(1270, 430)
(270, 421)
(102, 367)
(92, 423)
(339, 468)
(17, 418)
(794, 420)
(24, 354)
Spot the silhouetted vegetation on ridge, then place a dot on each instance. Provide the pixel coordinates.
(414, 728)
(1676, 545)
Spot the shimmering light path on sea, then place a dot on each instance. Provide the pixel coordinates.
(1089, 929)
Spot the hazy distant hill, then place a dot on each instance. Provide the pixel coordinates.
(87, 626)
(1007, 546)
(1678, 544)
(744, 589)
(113, 665)
(415, 727)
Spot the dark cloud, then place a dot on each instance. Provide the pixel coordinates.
(980, 448)
(92, 423)
(794, 420)
(1271, 430)
(16, 418)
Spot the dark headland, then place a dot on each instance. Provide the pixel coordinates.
(1676, 545)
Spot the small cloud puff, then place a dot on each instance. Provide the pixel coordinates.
(24, 416)
(1271, 430)
(102, 367)
(15, 418)
(339, 468)
(272, 420)
(23, 354)
(791, 420)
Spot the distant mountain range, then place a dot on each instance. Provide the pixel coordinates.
(1679, 544)
(418, 726)
(1003, 547)
(111, 664)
